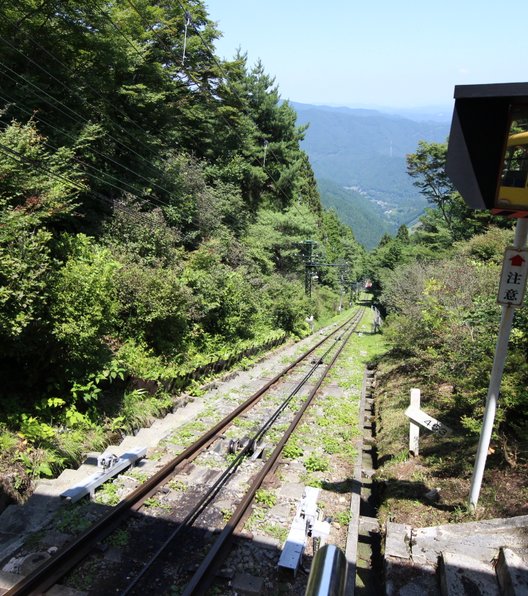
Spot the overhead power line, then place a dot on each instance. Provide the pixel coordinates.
(78, 117)
(16, 155)
(154, 201)
(262, 163)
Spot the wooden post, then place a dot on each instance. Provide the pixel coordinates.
(414, 429)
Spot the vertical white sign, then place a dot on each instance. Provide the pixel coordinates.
(513, 277)
(414, 430)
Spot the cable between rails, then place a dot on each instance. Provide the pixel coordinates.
(201, 579)
(202, 504)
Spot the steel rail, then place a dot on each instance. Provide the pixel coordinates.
(52, 570)
(204, 574)
(210, 494)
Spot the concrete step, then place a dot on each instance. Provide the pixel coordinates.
(466, 552)
(146, 435)
(68, 475)
(512, 573)
(462, 575)
(114, 450)
(483, 538)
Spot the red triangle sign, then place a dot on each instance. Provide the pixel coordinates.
(517, 261)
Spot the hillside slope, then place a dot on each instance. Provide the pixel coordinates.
(366, 218)
(365, 151)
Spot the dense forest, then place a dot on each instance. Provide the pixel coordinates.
(367, 219)
(155, 205)
(358, 157)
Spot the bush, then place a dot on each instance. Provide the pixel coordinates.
(153, 306)
(287, 305)
(445, 319)
(83, 303)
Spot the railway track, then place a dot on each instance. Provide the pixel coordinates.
(186, 526)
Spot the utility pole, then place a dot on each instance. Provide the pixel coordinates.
(309, 265)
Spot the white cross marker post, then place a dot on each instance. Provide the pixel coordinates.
(511, 294)
(420, 418)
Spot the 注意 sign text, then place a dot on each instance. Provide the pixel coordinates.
(513, 277)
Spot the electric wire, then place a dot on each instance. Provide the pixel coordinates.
(218, 64)
(115, 204)
(86, 84)
(103, 175)
(274, 182)
(155, 201)
(267, 146)
(118, 29)
(135, 49)
(189, 20)
(79, 119)
(154, 168)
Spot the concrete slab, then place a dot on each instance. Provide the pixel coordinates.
(265, 541)
(292, 490)
(512, 573)
(397, 540)
(483, 539)
(200, 476)
(467, 551)
(403, 578)
(368, 524)
(281, 511)
(461, 575)
(114, 555)
(292, 471)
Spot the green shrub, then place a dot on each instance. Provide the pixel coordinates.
(265, 497)
(153, 307)
(292, 450)
(83, 302)
(316, 463)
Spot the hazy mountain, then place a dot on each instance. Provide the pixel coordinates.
(425, 114)
(362, 152)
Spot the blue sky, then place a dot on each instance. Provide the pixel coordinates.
(391, 53)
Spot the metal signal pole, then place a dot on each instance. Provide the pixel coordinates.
(501, 350)
(310, 266)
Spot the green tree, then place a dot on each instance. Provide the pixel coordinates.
(273, 240)
(427, 167)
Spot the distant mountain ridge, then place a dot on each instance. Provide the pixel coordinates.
(362, 152)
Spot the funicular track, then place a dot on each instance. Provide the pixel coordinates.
(51, 572)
